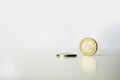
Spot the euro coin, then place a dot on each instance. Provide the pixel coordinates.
(88, 46)
(66, 55)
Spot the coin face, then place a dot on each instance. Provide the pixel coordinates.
(88, 46)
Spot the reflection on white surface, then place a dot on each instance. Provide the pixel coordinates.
(39, 64)
(88, 64)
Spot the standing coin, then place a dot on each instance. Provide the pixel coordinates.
(88, 46)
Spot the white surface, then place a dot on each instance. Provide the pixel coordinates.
(58, 23)
(29, 64)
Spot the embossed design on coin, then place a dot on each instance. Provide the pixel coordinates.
(88, 46)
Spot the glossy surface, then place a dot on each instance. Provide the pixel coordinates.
(42, 64)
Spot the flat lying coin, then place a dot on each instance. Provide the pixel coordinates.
(88, 46)
(66, 55)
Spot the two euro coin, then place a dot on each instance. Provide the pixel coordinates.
(88, 46)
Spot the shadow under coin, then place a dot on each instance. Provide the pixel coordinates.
(88, 64)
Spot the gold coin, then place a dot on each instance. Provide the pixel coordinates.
(66, 55)
(88, 46)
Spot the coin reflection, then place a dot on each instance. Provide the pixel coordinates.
(88, 64)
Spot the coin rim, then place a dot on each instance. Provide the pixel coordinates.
(66, 55)
(93, 51)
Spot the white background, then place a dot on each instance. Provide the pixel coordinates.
(59, 23)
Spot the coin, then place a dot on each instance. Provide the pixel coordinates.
(66, 55)
(88, 46)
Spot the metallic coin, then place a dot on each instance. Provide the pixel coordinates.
(88, 46)
(66, 55)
